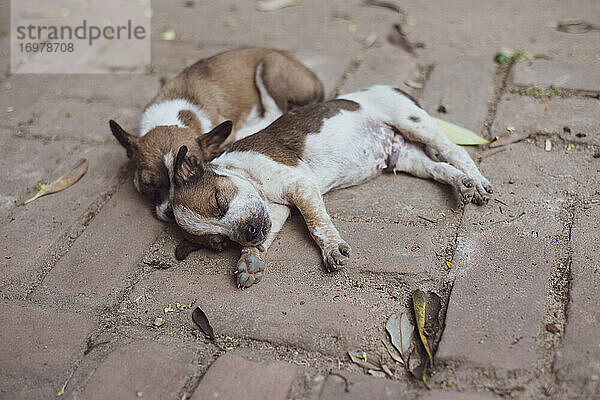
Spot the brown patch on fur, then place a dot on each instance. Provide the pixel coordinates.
(414, 118)
(207, 195)
(409, 96)
(285, 138)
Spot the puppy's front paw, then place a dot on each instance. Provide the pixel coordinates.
(466, 188)
(483, 191)
(335, 255)
(249, 270)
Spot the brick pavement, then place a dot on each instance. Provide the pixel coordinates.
(85, 273)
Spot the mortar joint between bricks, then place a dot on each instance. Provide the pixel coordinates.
(556, 317)
(61, 246)
(500, 85)
(350, 69)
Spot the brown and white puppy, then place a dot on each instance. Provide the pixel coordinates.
(246, 193)
(250, 87)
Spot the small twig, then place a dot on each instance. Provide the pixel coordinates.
(516, 218)
(427, 219)
(385, 4)
(347, 383)
(501, 202)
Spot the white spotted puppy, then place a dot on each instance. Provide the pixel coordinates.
(245, 194)
(249, 87)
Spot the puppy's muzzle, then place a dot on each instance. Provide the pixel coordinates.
(162, 202)
(256, 231)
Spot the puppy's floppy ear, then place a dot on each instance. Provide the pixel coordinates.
(211, 142)
(186, 167)
(127, 140)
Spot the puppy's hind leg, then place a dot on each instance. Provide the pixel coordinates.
(417, 126)
(414, 161)
(289, 83)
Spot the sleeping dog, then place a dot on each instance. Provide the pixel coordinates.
(250, 87)
(246, 193)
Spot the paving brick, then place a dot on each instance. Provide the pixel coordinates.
(232, 377)
(381, 66)
(314, 312)
(377, 247)
(561, 74)
(399, 197)
(20, 170)
(37, 347)
(361, 387)
(98, 261)
(75, 107)
(157, 371)
(441, 395)
(308, 26)
(29, 231)
(579, 359)
(504, 260)
(530, 116)
(12, 388)
(464, 87)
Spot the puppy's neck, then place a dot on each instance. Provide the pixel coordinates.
(166, 113)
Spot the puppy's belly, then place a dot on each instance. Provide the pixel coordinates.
(356, 155)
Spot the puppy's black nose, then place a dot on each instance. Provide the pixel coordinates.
(252, 232)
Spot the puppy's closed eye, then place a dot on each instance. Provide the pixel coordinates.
(222, 204)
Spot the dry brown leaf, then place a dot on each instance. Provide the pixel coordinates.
(202, 321)
(400, 330)
(427, 306)
(65, 181)
(366, 360)
(392, 353)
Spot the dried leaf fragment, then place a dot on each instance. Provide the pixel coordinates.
(399, 38)
(377, 374)
(365, 360)
(458, 134)
(158, 322)
(400, 330)
(65, 181)
(169, 34)
(274, 5)
(427, 306)
(201, 320)
(392, 353)
(420, 304)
